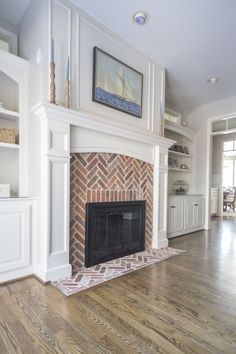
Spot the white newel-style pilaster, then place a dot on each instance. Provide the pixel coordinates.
(54, 203)
(160, 187)
(89, 134)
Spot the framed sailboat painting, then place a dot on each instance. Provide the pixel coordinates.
(116, 84)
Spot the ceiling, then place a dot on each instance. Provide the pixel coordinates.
(193, 40)
(13, 10)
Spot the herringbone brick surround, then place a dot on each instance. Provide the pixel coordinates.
(101, 177)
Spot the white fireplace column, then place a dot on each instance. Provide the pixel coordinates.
(52, 249)
(160, 189)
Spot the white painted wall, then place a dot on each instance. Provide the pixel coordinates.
(75, 34)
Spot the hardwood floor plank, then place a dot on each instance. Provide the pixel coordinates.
(173, 328)
(45, 340)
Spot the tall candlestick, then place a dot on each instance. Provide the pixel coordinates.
(67, 93)
(68, 70)
(52, 50)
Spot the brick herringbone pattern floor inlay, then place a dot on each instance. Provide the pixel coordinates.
(101, 177)
(98, 274)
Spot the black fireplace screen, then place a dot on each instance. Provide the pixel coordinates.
(113, 230)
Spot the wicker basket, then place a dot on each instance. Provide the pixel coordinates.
(8, 135)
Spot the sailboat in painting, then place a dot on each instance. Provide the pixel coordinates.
(114, 89)
(123, 89)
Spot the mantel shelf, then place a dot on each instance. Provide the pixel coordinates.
(181, 154)
(104, 125)
(5, 113)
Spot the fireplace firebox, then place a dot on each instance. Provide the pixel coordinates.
(113, 230)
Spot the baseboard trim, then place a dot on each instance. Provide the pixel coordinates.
(186, 232)
(15, 275)
(163, 243)
(53, 274)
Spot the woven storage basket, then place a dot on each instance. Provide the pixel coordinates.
(8, 135)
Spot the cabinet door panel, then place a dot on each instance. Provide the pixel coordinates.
(199, 212)
(189, 213)
(179, 215)
(14, 238)
(170, 218)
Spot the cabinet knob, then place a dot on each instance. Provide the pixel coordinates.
(195, 204)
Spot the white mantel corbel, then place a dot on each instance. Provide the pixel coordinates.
(55, 140)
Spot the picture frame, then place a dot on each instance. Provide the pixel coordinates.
(116, 84)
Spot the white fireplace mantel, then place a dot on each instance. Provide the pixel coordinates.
(60, 131)
(99, 123)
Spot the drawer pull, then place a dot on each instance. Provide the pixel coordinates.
(195, 204)
(172, 207)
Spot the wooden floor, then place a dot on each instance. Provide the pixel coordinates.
(186, 304)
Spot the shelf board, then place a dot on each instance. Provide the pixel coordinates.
(5, 113)
(9, 146)
(180, 129)
(180, 154)
(179, 169)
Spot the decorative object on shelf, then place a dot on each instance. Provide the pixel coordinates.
(116, 84)
(180, 148)
(172, 163)
(67, 85)
(174, 118)
(180, 187)
(184, 167)
(8, 135)
(4, 190)
(186, 150)
(52, 76)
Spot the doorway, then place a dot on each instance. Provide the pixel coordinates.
(223, 177)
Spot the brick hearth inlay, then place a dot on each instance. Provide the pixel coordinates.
(103, 177)
(98, 274)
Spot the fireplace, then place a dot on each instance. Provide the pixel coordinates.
(113, 230)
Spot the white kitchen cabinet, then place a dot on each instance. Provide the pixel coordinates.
(15, 238)
(185, 214)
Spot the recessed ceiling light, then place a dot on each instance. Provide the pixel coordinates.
(213, 80)
(140, 17)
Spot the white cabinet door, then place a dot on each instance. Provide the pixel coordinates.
(189, 213)
(175, 216)
(170, 218)
(179, 215)
(199, 211)
(14, 236)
